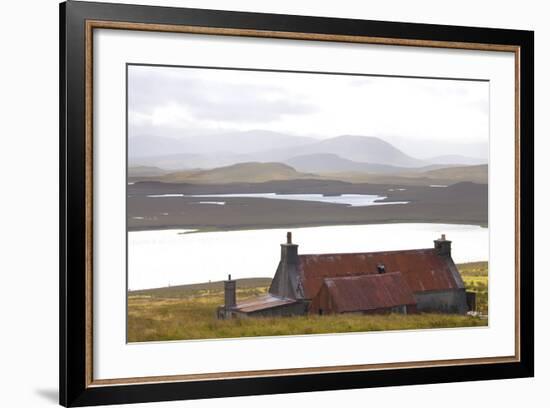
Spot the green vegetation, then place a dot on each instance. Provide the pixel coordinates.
(189, 312)
(414, 177)
(475, 174)
(247, 287)
(476, 279)
(255, 172)
(252, 172)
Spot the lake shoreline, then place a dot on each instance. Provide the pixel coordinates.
(159, 258)
(202, 229)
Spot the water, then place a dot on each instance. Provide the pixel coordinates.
(171, 257)
(212, 202)
(350, 200)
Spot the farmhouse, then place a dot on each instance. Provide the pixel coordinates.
(409, 281)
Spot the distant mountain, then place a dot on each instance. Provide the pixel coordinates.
(247, 142)
(368, 149)
(365, 149)
(330, 162)
(149, 146)
(228, 143)
(322, 163)
(339, 154)
(456, 159)
(145, 171)
(252, 172)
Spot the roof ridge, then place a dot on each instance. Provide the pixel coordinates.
(367, 253)
(365, 275)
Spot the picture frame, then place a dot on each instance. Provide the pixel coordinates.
(78, 23)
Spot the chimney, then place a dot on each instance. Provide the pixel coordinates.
(230, 293)
(443, 246)
(289, 251)
(287, 266)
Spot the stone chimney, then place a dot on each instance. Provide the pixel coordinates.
(289, 251)
(443, 246)
(287, 266)
(230, 293)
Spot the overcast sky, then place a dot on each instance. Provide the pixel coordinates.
(423, 117)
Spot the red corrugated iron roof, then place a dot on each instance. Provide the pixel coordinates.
(422, 269)
(369, 292)
(262, 303)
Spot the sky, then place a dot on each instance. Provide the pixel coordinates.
(422, 117)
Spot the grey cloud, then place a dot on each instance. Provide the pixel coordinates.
(211, 99)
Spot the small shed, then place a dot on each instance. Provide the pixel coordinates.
(269, 305)
(382, 293)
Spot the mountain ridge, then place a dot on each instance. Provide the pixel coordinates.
(340, 153)
(366, 149)
(330, 162)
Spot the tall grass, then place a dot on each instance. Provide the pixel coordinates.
(177, 319)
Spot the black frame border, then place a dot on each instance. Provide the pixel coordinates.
(72, 176)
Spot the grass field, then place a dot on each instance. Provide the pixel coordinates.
(188, 312)
(476, 279)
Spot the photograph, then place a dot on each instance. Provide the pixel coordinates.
(281, 203)
(358, 192)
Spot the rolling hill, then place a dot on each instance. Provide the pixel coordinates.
(476, 174)
(255, 172)
(235, 158)
(145, 171)
(443, 176)
(251, 172)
